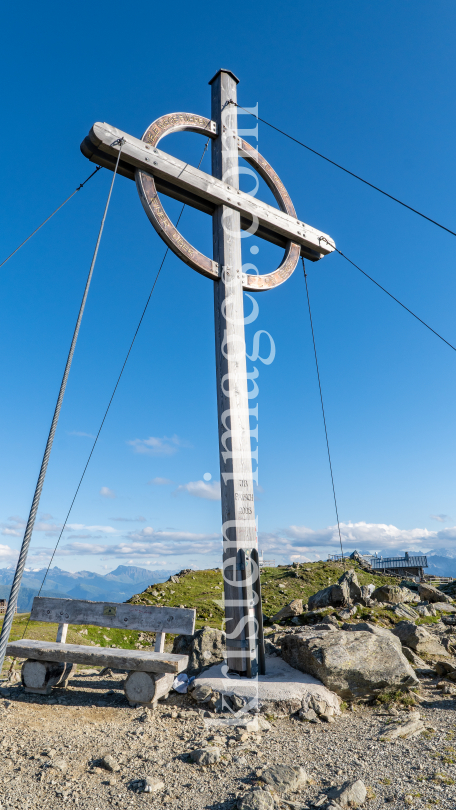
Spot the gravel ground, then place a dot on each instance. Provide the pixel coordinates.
(52, 747)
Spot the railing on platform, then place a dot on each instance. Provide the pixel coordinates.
(268, 564)
(3, 606)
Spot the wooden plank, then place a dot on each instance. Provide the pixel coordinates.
(189, 198)
(238, 513)
(113, 614)
(158, 163)
(138, 660)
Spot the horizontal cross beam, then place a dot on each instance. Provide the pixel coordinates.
(180, 180)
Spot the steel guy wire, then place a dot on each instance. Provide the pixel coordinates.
(12, 600)
(394, 298)
(50, 216)
(110, 401)
(347, 171)
(323, 411)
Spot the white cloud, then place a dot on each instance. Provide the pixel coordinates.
(440, 518)
(14, 527)
(82, 527)
(80, 433)
(154, 446)
(202, 489)
(107, 493)
(7, 553)
(149, 543)
(362, 536)
(137, 519)
(160, 482)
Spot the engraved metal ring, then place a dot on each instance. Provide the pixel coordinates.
(178, 122)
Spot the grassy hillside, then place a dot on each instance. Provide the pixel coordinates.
(202, 590)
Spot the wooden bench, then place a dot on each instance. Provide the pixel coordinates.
(150, 673)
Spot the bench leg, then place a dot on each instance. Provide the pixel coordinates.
(69, 671)
(39, 677)
(146, 688)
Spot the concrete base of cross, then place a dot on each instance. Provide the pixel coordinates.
(283, 690)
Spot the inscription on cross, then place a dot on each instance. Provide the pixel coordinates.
(232, 211)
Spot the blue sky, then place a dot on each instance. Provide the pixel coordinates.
(371, 86)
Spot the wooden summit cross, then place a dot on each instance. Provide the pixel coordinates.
(232, 211)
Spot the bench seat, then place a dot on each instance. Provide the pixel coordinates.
(137, 660)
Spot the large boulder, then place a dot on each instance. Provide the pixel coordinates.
(366, 593)
(419, 639)
(352, 581)
(204, 649)
(347, 589)
(294, 608)
(430, 594)
(393, 594)
(367, 627)
(333, 596)
(353, 665)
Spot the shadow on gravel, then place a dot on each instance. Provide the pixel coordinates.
(73, 697)
(94, 683)
(444, 703)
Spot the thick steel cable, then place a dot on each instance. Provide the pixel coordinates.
(323, 412)
(50, 216)
(109, 404)
(12, 600)
(347, 171)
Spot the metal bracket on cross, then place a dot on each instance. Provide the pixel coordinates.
(235, 215)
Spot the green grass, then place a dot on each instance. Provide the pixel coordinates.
(397, 696)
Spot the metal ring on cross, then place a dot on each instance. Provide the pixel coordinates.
(178, 122)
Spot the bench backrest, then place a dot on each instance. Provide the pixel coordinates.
(113, 614)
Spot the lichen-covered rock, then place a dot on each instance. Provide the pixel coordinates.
(443, 607)
(367, 627)
(430, 594)
(204, 649)
(202, 693)
(256, 799)
(284, 778)
(350, 794)
(205, 756)
(333, 596)
(353, 665)
(352, 581)
(419, 639)
(414, 659)
(393, 594)
(294, 608)
(405, 612)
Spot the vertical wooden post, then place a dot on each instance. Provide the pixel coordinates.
(62, 633)
(238, 513)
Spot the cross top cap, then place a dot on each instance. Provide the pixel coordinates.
(223, 70)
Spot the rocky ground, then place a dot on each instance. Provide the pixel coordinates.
(53, 750)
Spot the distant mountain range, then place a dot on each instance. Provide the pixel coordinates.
(117, 586)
